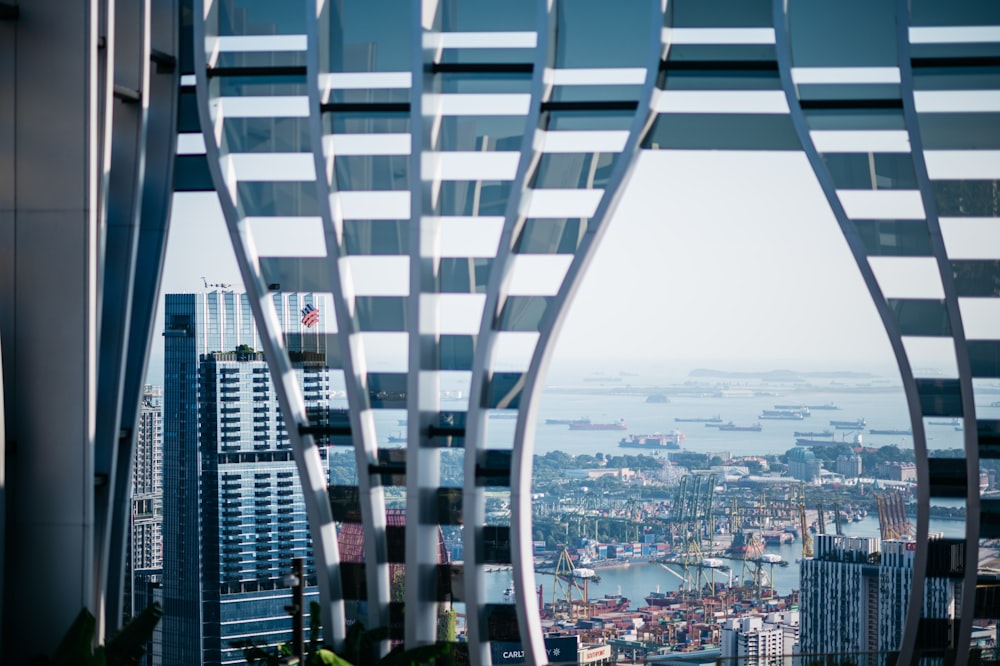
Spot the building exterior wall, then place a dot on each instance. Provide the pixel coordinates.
(235, 515)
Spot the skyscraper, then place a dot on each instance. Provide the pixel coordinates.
(234, 515)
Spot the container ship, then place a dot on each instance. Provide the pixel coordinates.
(823, 433)
(876, 431)
(783, 414)
(843, 425)
(654, 441)
(746, 545)
(617, 425)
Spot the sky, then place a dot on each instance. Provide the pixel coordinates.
(712, 259)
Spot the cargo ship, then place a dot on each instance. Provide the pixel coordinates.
(732, 427)
(617, 425)
(875, 431)
(823, 433)
(808, 441)
(828, 405)
(654, 441)
(746, 545)
(580, 421)
(782, 414)
(857, 423)
(711, 419)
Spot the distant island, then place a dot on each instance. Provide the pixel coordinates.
(780, 375)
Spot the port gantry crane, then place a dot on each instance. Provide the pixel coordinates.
(807, 540)
(820, 523)
(892, 520)
(836, 518)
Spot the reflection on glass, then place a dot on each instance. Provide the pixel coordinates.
(551, 236)
(477, 16)
(573, 171)
(370, 36)
(261, 17)
(851, 33)
(871, 171)
(370, 172)
(595, 34)
(899, 238)
(376, 237)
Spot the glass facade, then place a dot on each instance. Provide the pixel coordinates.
(234, 517)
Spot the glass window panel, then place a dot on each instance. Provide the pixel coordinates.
(980, 318)
(238, 59)
(369, 96)
(989, 437)
(381, 313)
(475, 132)
(594, 93)
(387, 391)
(988, 595)
(901, 238)
(477, 16)
(284, 199)
(395, 540)
(681, 54)
(720, 13)
(283, 85)
(976, 278)
(848, 91)
(967, 198)
(188, 119)
(523, 313)
(956, 78)
(988, 51)
(261, 17)
(550, 236)
(191, 174)
(295, 273)
(483, 82)
(370, 36)
(574, 171)
(499, 56)
(956, 12)
(473, 197)
(688, 131)
(855, 119)
(984, 358)
(371, 172)
(591, 120)
(345, 502)
(353, 582)
(367, 122)
(495, 544)
(948, 477)
(851, 33)
(921, 317)
(494, 468)
(504, 391)
(722, 79)
(960, 131)
(376, 237)
(455, 352)
(591, 33)
(501, 623)
(871, 171)
(266, 135)
(448, 505)
(463, 276)
(939, 397)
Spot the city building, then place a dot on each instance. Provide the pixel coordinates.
(234, 517)
(803, 464)
(450, 147)
(896, 471)
(761, 640)
(146, 526)
(848, 466)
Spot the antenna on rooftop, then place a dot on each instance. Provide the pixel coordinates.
(214, 285)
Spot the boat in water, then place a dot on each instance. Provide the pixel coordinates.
(875, 431)
(828, 405)
(746, 545)
(654, 441)
(808, 441)
(954, 422)
(711, 419)
(732, 427)
(822, 433)
(617, 425)
(783, 414)
(657, 398)
(855, 424)
(580, 421)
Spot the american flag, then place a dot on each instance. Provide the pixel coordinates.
(310, 316)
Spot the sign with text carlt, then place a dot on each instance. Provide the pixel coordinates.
(561, 650)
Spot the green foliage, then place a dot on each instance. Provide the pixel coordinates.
(123, 649)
